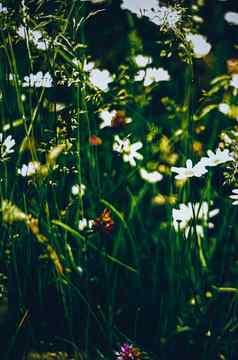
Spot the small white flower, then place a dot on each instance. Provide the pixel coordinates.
(151, 75)
(231, 17)
(156, 75)
(200, 212)
(22, 31)
(143, 61)
(234, 196)
(3, 9)
(129, 151)
(199, 44)
(224, 108)
(35, 36)
(182, 216)
(151, 177)
(29, 169)
(100, 78)
(234, 81)
(38, 80)
(85, 224)
(217, 158)
(189, 171)
(107, 118)
(78, 189)
(6, 146)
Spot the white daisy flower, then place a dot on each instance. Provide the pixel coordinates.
(217, 158)
(199, 44)
(129, 151)
(200, 212)
(29, 169)
(189, 171)
(152, 177)
(234, 196)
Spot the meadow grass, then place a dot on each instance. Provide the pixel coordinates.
(114, 245)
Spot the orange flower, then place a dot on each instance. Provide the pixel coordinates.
(104, 222)
(95, 140)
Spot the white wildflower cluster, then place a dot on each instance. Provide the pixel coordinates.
(3, 9)
(201, 47)
(129, 151)
(151, 75)
(38, 80)
(163, 16)
(29, 169)
(200, 212)
(167, 18)
(199, 169)
(34, 36)
(6, 146)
